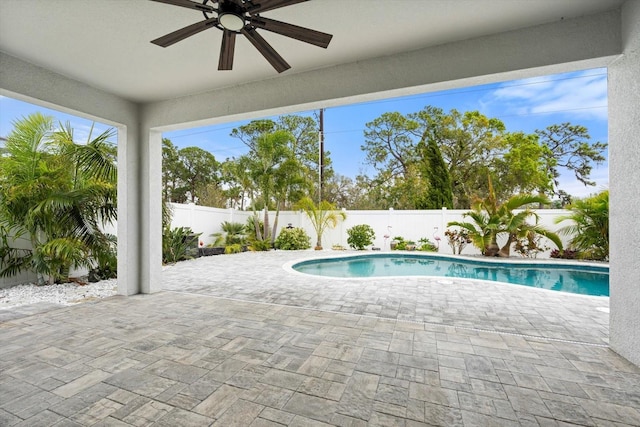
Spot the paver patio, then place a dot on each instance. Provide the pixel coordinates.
(239, 341)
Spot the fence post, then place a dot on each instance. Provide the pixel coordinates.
(192, 208)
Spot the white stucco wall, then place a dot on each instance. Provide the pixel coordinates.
(624, 154)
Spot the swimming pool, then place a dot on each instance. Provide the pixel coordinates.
(574, 278)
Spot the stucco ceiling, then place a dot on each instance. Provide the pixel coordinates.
(106, 43)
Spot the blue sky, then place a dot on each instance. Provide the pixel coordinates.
(523, 105)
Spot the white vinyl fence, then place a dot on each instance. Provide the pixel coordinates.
(409, 224)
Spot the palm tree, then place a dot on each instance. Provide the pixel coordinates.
(490, 219)
(482, 231)
(516, 225)
(57, 193)
(590, 228)
(322, 216)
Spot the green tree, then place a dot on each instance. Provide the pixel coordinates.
(198, 169)
(57, 193)
(390, 144)
(237, 178)
(469, 142)
(302, 143)
(522, 168)
(569, 147)
(171, 169)
(438, 193)
(590, 226)
(273, 169)
(322, 216)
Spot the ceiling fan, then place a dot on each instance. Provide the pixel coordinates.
(243, 17)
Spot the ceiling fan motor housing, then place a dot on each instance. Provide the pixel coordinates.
(231, 16)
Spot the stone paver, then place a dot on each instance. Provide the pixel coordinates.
(248, 343)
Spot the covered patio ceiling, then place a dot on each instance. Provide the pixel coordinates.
(106, 44)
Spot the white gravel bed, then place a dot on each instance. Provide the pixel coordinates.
(62, 294)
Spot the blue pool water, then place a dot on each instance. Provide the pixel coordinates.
(577, 279)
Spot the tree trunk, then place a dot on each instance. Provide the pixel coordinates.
(266, 223)
(505, 252)
(275, 224)
(256, 225)
(492, 248)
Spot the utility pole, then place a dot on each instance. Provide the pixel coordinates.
(321, 157)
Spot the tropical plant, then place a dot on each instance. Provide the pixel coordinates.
(482, 230)
(232, 233)
(234, 248)
(255, 239)
(106, 261)
(274, 169)
(57, 193)
(563, 254)
(530, 245)
(516, 225)
(293, 239)
(360, 236)
(399, 243)
(177, 244)
(457, 239)
(322, 216)
(425, 245)
(590, 227)
(491, 219)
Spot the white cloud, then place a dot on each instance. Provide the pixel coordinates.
(581, 94)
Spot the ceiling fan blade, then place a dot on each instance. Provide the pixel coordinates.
(188, 4)
(260, 6)
(226, 50)
(306, 35)
(265, 49)
(183, 33)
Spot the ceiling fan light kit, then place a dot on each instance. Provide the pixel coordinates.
(243, 17)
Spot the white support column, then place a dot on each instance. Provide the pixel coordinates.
(128, 212)
(151, 209)
(624, 177)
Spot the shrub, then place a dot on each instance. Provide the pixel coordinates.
(176, 244)
(564, 254)
(399, 244)
(293, 239)
(530, 246)
(360, 236)
(425, 245)
(590, 226)
(457, 239)
(259, 245)
(106, 261)
(234, 248)
(232, 233)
